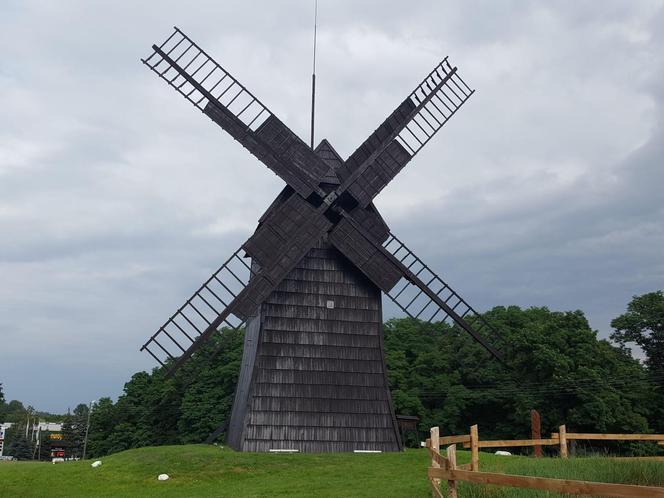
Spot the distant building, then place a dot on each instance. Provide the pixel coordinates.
(34, 432)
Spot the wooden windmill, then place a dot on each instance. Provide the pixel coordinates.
(308, 282)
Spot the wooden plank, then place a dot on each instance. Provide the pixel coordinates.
(616, 437)
(557, 485)
(447, 440)
(435, 489)
(438, 458)
(451, 483)
(474, 449)
(513, 443)
(562, 431)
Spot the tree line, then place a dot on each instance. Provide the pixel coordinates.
(553, 362)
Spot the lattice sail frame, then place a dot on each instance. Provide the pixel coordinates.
(212, 299)
(207, 73)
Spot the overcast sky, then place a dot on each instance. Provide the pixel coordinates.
(118, 198)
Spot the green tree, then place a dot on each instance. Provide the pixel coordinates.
(18, 445)
(3, 405)
(102, 425)
(79, 424)
(554, 362)
(643, 324)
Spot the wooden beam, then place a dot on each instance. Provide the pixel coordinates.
(616, 437)
(438, 458)
(556, 485)
(509, 443)
(474, 449)
(447, 440)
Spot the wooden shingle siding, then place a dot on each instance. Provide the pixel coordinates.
(318, 338)
(292, 151)
(382, 170)
(255, 143)
(318, 380)
(365, 255)
(395, 120)
(321, 351)
(325, 326)
(330, 406)
(304, 419)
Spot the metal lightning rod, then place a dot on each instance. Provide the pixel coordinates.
(313, 76)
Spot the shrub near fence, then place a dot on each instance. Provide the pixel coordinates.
(446, 468)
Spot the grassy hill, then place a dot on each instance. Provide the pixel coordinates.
(198, 470)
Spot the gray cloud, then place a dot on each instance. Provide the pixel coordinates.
(117, 198)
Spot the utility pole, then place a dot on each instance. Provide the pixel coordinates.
(87, 429)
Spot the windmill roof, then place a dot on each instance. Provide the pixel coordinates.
(330, 157)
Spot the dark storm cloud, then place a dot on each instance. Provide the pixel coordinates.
(117, 198)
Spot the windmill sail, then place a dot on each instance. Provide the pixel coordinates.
(207, 309)
(405, 132)
(185, 66)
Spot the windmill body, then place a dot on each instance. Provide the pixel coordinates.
(308, 282)
(313, 374)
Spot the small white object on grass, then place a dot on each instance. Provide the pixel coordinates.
(96, 463)
(503, 453)
(163, 477)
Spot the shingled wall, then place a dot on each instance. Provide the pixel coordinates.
(318, 378)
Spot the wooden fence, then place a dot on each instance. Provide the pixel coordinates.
(445, 468)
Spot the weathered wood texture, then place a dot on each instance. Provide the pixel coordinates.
(474, 448)
(313, 378)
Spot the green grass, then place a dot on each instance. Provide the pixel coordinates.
(198, 470)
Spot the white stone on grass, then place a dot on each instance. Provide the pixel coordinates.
(96, 463)
(163, 477)
(503, 453)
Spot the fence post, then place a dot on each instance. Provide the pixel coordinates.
(452, 485)
(562, 434)
(536, 430)
(474, 449)
(435, 446)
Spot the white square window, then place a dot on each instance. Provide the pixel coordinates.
(330, 305)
